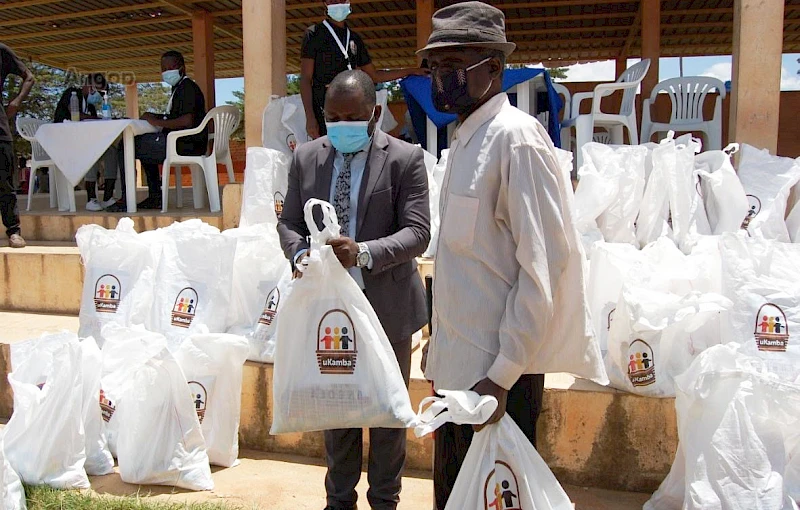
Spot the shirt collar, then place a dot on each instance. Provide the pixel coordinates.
(481, 116)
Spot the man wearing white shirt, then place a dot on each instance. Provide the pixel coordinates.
(508, 283)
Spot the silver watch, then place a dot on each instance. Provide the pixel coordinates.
(362, 258)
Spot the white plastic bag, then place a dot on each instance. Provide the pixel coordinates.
(739, 430)
(502, 469)
(610, 190)
(120, 273)
(762, 278)
(656, 335)
(334, 366)
(653, 221)
(212, 365)
(159, 440)
(767, 180)
(687, 209)
(258, 265)
(44, 440)
(193, 281)
(265, 181)
(13, 495)
(98, 456)
(722, 191)
(436, 172)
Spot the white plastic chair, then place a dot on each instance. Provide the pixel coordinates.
(566, 106)
(224, 158)
(226, 119)
(584, 124)
(27, 127)
(688, 95)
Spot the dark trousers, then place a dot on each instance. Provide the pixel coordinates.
(387, 456)
(8, 196)
(151, 150)
(452, 441)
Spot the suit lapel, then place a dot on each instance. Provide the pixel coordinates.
(324, 172)
(372, 174)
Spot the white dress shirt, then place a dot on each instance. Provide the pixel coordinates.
(508, 283)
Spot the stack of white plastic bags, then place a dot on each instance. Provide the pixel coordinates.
(501, 469)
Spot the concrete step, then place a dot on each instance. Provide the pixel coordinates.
(589, 435)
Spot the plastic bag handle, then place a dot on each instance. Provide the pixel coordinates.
(731, 149)
(331, 230)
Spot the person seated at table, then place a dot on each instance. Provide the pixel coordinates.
(90, 98)
(186, 110)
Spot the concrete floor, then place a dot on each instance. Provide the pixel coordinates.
(272, 481)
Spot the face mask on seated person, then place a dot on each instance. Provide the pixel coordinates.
(171, 77)
(339, 12)
(349, 136)
(94, 98)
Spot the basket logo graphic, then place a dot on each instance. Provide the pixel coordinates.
(270, 307)
(501, 490)
(772, 329)
(641, 364)
(106, 407)
(336, 343)
(185, 307)
(753, 208)
(200, 398)
(278, 203)
(291, 142)
(107, 294)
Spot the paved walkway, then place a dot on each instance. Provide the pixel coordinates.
(284, 482)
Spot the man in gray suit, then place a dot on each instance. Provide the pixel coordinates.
(379, 188)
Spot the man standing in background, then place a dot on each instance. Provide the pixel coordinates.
(328, 49)
(11, 64)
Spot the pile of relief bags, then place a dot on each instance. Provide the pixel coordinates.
(693, 283)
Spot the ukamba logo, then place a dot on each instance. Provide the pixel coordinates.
(291, 142)
(107, 294)
(200, 398)
(106, 407)
(336, 343)
(501, 490)
(185, 307)
(641, 364)
(278, 203)
(754, 207)
(772, 329)
(270, 307)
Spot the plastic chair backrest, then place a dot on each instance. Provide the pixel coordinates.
(27, 128)
(561, 90)
(688, 94)
(633, 74)
(226, 120)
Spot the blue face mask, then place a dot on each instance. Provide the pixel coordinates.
(94, 98)
(171, 77)
(339, 12)
(349, 136)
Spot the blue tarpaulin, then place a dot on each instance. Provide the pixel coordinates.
(417, 91)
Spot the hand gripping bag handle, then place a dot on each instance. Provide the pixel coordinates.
(331, 230)
(459, 407)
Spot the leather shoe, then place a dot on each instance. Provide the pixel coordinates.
(16, 241)
(149, 203)
(341, 508)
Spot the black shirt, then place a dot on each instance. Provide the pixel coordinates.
(188, 98)
(9, 64)
(62, 108)
(319, 45)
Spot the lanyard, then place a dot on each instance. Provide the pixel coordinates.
(174, 89)
(342, 47)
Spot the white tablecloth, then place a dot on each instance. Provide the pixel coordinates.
(76, 146)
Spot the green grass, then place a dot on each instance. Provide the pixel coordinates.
(45, 498)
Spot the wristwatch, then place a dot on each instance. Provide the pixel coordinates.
(362, 257)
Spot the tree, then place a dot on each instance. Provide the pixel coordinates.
(239, 103)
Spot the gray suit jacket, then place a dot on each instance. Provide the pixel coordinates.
(393, 220)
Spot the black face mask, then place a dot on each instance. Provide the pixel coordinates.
(450, 91)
